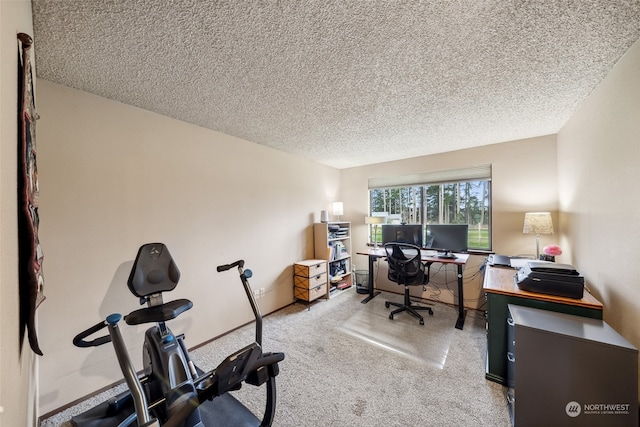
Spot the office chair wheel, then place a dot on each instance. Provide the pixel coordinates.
(386, 304)
(421, 322)
(391, 316)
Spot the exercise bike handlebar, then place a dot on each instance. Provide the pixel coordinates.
(80, 341)
(244, 276)
(225, 267)
(115, 337)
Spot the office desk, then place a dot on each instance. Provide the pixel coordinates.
(500, 290)
(427, 258)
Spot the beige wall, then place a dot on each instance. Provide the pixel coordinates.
(524, 179)
(598, 158)
(114, 177)
(18, 374)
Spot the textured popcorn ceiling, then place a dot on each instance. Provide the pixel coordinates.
(348, 82)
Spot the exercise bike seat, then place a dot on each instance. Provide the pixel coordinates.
(153, 273)
(158, 313)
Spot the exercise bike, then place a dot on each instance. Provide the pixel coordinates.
(172, 391)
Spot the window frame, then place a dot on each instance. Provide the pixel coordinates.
(439, 178)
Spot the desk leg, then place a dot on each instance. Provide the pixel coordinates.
(462, 313)
(372, 293)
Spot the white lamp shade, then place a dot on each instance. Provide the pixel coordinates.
(537, 223)
(374, 219)
(338, 208)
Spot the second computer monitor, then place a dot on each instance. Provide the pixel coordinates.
(447, 237)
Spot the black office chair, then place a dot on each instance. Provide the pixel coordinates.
(406, 269)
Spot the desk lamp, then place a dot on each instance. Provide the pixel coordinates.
(537, 223)
(375, 220)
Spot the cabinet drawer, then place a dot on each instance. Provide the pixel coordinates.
(310, 282)
(310, 268)
(310, 294)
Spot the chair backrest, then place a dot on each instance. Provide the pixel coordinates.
(405, 265)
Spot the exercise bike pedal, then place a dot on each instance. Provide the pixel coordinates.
(258, 377)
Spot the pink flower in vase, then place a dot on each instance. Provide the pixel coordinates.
(553, 250)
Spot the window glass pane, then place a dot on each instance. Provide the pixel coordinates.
(465, 202)
(403, 204)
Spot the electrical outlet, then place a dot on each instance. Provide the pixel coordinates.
(256, 293)
(262, 291)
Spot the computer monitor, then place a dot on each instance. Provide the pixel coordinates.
(447, 237)
(407, 233)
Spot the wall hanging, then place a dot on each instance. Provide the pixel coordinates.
(29, 251)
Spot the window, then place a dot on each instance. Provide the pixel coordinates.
(461, 196)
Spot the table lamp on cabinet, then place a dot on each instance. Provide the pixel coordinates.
(537, 223)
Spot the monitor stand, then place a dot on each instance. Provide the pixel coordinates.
(447, 255)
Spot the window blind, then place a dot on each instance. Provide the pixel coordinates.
(474, 173)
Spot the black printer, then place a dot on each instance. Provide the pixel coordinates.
(550, 278)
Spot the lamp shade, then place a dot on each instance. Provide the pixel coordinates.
(338, 208)
(374, 219)
(537, 223)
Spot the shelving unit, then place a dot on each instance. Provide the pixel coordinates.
(332, 243)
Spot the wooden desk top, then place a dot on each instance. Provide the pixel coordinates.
(500, 280)
(426, 256)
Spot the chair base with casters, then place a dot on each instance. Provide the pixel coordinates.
(412, 309)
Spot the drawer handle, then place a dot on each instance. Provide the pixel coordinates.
(511, 357)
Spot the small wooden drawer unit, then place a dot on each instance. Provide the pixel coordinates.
(310, 279)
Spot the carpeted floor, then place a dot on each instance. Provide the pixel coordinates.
(348, 364)
(371, 325)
